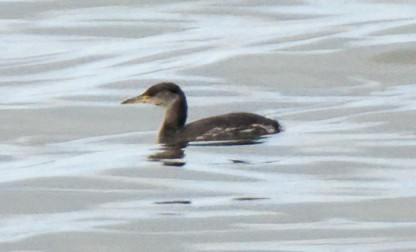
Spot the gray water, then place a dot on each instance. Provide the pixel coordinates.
(339, 75)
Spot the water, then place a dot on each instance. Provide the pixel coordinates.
(74, 168)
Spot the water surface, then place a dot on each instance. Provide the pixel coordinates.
(74, 168)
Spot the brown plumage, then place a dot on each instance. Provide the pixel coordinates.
(233, 126)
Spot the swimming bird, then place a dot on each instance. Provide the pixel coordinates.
(232, 126)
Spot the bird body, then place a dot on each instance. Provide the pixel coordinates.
(232, 126)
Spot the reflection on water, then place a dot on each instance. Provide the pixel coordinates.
(168, 153)
(172, 154)
(77, 168)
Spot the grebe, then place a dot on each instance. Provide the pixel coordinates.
(233, 126)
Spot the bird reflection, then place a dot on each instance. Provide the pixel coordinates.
(170, 154)
(173, 154)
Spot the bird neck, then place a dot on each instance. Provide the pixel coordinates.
(175, 119)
